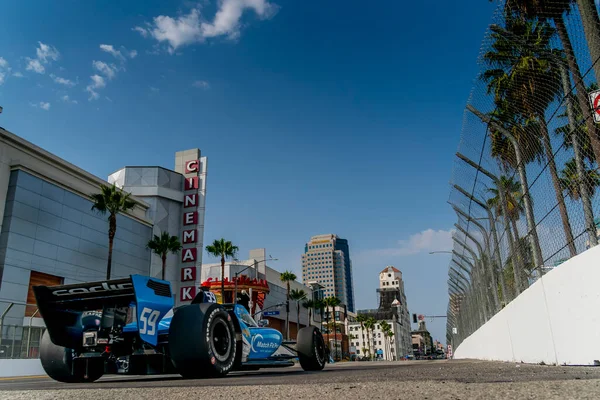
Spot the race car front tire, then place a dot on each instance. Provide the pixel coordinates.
(311, 350)
(60, 365)
(202, 341)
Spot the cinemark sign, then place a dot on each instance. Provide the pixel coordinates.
(189, 253)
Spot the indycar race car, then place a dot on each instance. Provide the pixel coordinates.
(129, 326)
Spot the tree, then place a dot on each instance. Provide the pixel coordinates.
(384, 329)
(287, 277)
(526, 74)
(555, 10)
(370, 326)
(581, 128)
(309, 305)
(224, 249)
(320, 305)
(361, 318)
(298, 295)
(514, 206)
(112, 201)
(570, 180)
(332, 302)
(389, 333)
(162, 245)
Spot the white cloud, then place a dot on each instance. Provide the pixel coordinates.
(188, 29)
(154, 89)
(98, 82)
(18, 75)
(45, 52)
(425, 241)
(67, 99)
(133, 54)
(109, 48)
(178, 32)
(4, 70)
(62, 81)
(108, 70)
(201, 84)
(227, 19)
(35, 65)
(43, 105)
(142, 31)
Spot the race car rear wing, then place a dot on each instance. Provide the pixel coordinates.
(63, 306)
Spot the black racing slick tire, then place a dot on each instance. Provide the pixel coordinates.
(59, 364)
(202, 341)
(311, 350)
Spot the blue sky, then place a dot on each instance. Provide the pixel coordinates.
(317, 117)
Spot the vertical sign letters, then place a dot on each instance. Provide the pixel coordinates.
(191, 203)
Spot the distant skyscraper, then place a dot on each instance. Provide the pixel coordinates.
(326, 260)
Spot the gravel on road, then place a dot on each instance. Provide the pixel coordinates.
(452, 379)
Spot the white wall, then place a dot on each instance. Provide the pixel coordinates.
(18, 367)
(556, 320)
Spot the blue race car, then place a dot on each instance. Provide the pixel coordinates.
(129, 326)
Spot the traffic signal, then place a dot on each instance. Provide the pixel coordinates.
(414, 318)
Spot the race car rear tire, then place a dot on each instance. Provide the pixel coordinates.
(202, 341)
(311, 350)
(58, 363)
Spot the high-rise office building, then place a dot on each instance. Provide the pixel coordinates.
(326, 260)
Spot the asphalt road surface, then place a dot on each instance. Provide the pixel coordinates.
(444, 379)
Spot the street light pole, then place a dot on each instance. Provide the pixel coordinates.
(254, 264)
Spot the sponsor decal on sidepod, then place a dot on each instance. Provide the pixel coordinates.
(260, 344)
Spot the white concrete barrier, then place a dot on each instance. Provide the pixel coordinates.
(555, 321)
(21, 367)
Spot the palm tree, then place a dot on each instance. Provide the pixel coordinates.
(298, 295)
(309, 305)
(390, 335)
(570, 180)
(331, 303)
(320, 305)
(370, 326)
(224, 249)
(361, 318)
(581, 130)
(556, 10)
(532, 83)
(162, 245)
(287, 277)
(591, 27)
(112, 201)
(514, 206)
(384, 329)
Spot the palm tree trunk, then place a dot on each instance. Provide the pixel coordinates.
(164, 265)
(579, 86)
(591, 28)
(518, 272)
(564, 216)
(223, 279)
(112, 230)
(583, 187)
(287, 312)
(309, 315)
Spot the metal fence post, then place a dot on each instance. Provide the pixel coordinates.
(29, 331)
(2, 321)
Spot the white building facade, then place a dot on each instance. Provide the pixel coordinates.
(393, 310)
